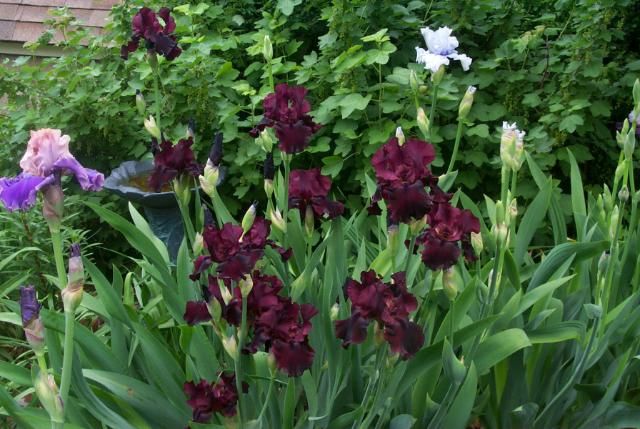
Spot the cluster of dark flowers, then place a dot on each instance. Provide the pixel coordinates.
(206, 398)
(403, 177)
(159, 38)
(387, 304)
(309, 190)
(172, 161)
(287, 112)
(235, 251)
(274, 321)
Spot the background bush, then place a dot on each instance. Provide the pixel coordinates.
(562, 76)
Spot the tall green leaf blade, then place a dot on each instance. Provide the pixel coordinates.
(498, 347)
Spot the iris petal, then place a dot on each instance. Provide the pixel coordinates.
(19, 193)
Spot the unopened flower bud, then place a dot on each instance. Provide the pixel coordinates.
(466, 103)
(152, 128)
(231, 347)
(267, 48)
(476, 242)
(140, 103)
(501, 234)
(513, 210)
(49, 396)
(392, 239)
(512, 146)
(413, 81)
(449, 284)
(623, 194)
(209, 180)
(613, 222)
(215, 309)
(423, 121)
(335, 312)
(245, 284)
(417, 225)
(603, 262)
(191, 129)
(265, 140)
(72, 293)
(198, 244)
(500, 212)
(276, 219)
(636, 94)
(400, 136)
(30, 312)
(248, 218)
(215, 154)
(53, 205)
(436, 77)
(629, 144)
(309, 221)
(607, 197)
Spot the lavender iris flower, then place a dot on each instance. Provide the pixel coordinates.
(46, 159)
(441, 48)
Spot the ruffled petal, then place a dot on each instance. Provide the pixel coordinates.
(431, 61)
(19, 193)
(465, 60)
(89, 180)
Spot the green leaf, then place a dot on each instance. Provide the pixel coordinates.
(149, 402)
(287, 6)
(559, 332)
(480, 130)
(570, 123)
(15, 373)
(332, 165)
(402, 421)
(531, 221)
(379, 36)
(460, 411)
(353, 102)
(577, 196)
(498, 347)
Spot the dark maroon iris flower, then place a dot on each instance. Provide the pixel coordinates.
(402, 173)
(287, 111)
(449, 229)
(397, 165)
(159, 38)
(196, 312)
(407, 202)
(206, 398)
(389, 305)
(173, 161)
(310, 188)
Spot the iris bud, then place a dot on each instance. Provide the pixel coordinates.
(265, 140)
(309, 221)
(623, 194)
(245, 285)
(209, 180)
(423, 121)
(449, 284)
(476, 243)
(231, 347)
(466, 103)
(248, 218)
(436, 77)
(413, 81)
(392, 239)
(140, 103)
(613, 222)
(53, 205)
(152, 128)
(72, 293)
(47, 391)
(215, 154)
(400, 136)
(267, 48)
(31, 322)
(198, 244)
(276, 219)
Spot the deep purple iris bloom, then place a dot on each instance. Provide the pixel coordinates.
(402, 173)
(287, 111)
(309, 188)
(276, 323)
(206, 398)
(46, 159)
(29, 305)
(389, 305)
(145, 25)
(448, 227)
(172, 161)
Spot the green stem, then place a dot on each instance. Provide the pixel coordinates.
(456, 145)
(268, 397)
(42, 363)
(412, 244)
(432, 113)
(238, 361)
(380, 357)
(451, 321)
(285, 211)
(270, 73)
(156, 91)
(67, 362)
(56, 241)
(444, 406)
(512, 222)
